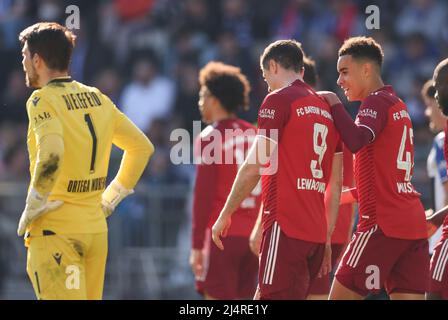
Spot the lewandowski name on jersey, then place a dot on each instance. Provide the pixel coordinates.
(306, 183)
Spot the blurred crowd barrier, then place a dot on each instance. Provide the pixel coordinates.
(149, 241)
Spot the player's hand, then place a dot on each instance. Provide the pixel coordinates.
(36, 206)
(330, 97)
(197, 263)
(430, 226)
(220, 229)
(112, 196)
(326, 262)
(255, 239)
(349, 196)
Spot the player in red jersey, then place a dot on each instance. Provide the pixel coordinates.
(221, 148)
(438, 288)
(390, 245)
(320, 287)
(297, 134)
(310, 78)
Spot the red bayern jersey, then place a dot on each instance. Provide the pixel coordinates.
(445, 151)
(301, 123)
(341, 231)
(220, 149)
(384, 168)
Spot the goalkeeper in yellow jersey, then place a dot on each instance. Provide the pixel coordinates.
(71, 131)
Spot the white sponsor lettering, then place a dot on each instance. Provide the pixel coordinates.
(267, 113)
(402, 114)
(313, 110)
(366, 112)
(311, 184)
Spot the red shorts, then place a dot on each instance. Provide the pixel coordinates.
(372, 260)
(322, 285)
(229, 274)
(439, 269)
(287, 265)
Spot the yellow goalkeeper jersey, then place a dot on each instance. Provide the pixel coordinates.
(89, 124)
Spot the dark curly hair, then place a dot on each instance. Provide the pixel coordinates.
(227, 84)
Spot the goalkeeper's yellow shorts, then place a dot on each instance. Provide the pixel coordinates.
(67, 267)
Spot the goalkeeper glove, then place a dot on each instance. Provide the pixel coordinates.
(112, 196)
(36, 205)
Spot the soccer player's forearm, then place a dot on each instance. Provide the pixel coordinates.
(353, 136)
(50, 153)
(137, 151)
(245, 181)
(257, 224)
(332, 201)
(135, 159)
(437, 217)
(204, 197)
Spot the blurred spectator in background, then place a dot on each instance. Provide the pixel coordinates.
(16, 162)
(12, 20)
(12, 104)
(436, 162)
(161, 95)
(236, 18)
(187, 94)
(149, 95)
(200, 17)
(230, 51)
(414, 59)
(108, 81)
(427, 17)
(295, 17)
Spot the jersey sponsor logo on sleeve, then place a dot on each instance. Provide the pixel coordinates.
(41, 117)
(366, 112)
(35, 101)
(267, 113)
